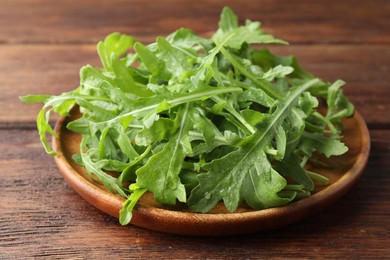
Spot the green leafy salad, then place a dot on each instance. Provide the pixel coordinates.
(201, 121)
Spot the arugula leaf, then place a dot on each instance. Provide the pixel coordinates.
(338, 104)
(290, 166)
(228, 21)
(124, 79)
(250, 33)
(267, 61)
(187, 39)
(224, 177)
(328, 146)
(176, 61)
(60, 104)
(143, 107)
(261, 186)
(149, 59)
(125, 214)
(94, 168)
(114, 43)
(161, 173)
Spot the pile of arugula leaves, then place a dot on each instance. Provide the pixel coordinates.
(200, 120)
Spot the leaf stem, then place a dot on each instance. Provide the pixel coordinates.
(270, 91)
(176, 101)
(320, 179)
(199, 136)
(234, 113)
(326, 121)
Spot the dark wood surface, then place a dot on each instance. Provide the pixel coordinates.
(42, 46)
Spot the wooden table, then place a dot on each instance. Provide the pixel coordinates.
(43, 44)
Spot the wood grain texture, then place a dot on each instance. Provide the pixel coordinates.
(43, 44)
(41, 216)
(38, 69)
(53, 69)
(72, 21)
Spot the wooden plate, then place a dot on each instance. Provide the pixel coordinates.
(343, 174)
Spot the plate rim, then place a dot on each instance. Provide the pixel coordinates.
(215, 224)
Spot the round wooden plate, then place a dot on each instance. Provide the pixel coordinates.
(343, 174)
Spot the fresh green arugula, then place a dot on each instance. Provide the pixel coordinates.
(201, 120)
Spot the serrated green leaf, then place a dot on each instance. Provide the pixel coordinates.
(228, 21)
(124, 80)
(125, 214)
(261, 186)
(126, 146)
(281, 142)
(326, 145)
(224, 177)
(277, 72)
(186, 38)
(114, 43)
(290, 166)
(160, 174)
(176, 61)
(160, 130)
(149, 59)
(256, 95)
(94, 168)
(250, 33)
